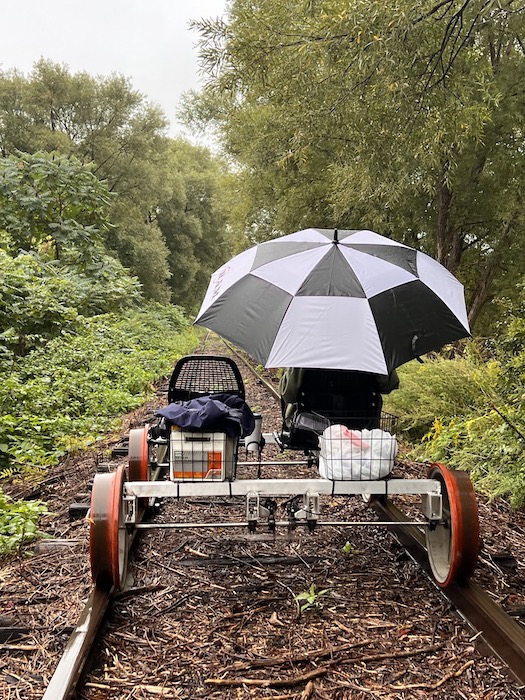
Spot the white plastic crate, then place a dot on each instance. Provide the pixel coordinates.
(196, 456)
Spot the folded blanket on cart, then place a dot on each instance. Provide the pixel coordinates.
(353, 455)
(223, 413)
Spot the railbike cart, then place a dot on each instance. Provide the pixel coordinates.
(167, 461)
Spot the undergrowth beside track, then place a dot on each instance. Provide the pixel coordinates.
(71, 391)
(66, 395)
(469, 413)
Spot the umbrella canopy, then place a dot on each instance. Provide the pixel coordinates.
(335, 299)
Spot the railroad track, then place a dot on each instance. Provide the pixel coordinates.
(503, 635)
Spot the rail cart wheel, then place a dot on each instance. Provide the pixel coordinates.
(109, 538)
(453, 544)
(138, 454)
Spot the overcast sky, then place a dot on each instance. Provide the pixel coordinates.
(148, 41)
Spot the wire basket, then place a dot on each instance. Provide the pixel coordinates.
(348, 454)
(388, 422)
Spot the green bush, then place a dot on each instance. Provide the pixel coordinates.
(18, 522)
(40, 300)
(70, 392)
(486, 446)
(444, 388)
(469, 413)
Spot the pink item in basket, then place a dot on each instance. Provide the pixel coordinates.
(355, 437)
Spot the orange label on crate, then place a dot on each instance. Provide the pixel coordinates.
(215, 460)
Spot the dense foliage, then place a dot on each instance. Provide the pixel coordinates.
(166, 212)
(54, 267)
(403, 117)
(72, 390)
(69, 393)
(79, 346)
(468, 411)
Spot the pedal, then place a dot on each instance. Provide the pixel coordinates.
(255, 511)
(307, 512)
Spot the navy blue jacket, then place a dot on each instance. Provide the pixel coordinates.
(223, 413)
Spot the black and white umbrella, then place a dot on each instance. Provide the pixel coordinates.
(335, 299)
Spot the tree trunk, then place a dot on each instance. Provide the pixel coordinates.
(481, 293)
(443, 233)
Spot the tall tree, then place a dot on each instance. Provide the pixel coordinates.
(53, 263)
(193, 221)
(400, 116)
(105, 122)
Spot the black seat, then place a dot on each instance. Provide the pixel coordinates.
(350, 398)
(203, 436)
(203, 375)
(339, 396)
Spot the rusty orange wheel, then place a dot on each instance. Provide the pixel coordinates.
(138, 454)
(108, 536)
(453, 543)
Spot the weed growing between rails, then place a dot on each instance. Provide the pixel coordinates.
(312, 598)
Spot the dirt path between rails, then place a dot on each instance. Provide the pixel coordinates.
(211, 615)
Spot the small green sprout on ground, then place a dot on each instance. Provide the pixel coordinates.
(18, 522)
(349, 550)
(311, 598)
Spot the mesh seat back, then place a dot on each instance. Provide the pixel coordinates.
(202, 375)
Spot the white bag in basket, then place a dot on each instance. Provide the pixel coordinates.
(356, 455)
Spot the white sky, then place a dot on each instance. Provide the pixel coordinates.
(147, 41)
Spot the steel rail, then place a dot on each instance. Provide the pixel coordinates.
(66, 675)
(65, 678)
(503, 635)
(273, 391)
